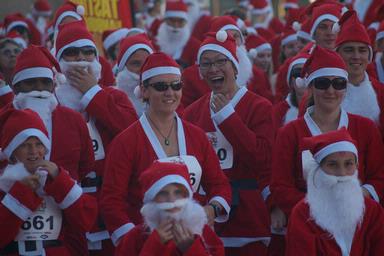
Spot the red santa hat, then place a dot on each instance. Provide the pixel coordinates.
(331, 142)
(256, 44)
(225, 23)
(350, 29)
(111, 37)
(380, 31)
(291, 4)
(130, 45)
(17, 126)
(323, 12)
(15, 36)
(158, 63)
(322, 62)
(73, 34)
(35, 61)
(289, 35)
(68, 9)
(14, 20)
(220, 42)
(260, 6)
(161, 174)
(317, 3)
(42, 8)
(176, 9)
(300, 58)
(303, 29)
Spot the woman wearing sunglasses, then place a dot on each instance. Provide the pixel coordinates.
(240, 127)
(159, 134)
(326, 78)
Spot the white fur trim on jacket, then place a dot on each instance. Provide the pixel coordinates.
(73, 195)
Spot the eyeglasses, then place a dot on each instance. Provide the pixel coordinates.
(217, 63)
(9, 52)
(323, 83)
(296, 72)
(75, 51)
(163, 86)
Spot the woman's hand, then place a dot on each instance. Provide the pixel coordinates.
(278, 219)
(81, 79)
(218, 101)
(182, 236)
(49, 166)
(31, 181)
(165, 231)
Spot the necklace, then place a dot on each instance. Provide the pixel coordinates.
(166, 138)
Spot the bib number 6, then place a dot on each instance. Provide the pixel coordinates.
(37, 223)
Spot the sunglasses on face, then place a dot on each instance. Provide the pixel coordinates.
(323, 83)
(75, 51)
(163, 86)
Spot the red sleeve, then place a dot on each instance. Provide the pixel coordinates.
(153, 246)
(112, 109)
(375, 234)
(6, 98)
(80, 210)
(87, 157)
(282, 88)
(107, 77)
(14, 208)
(131, 243)
(283, 181)
(260, 85)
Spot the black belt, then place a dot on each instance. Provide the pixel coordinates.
(92, 182)
(13, 247)
(238, 185)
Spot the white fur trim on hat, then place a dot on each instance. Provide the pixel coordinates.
(130, 51)
(15, 24)
(304, 35)
(176, 14)
(160, 71)
(335, 28)
(220, 49)
(41, 13)
(137, 30)
(77, 43)
(289, 39)
(326, 72)
(161, 183)
(301, 82)
(23, 136)
(233, 27)
(32, 73)
(253, 53)
(291, 5)
(340, 146)
(379, 35)
(296, 26)
(320, 19)
(293, 63)
(66, 14)
(262, 10)
(115, 37)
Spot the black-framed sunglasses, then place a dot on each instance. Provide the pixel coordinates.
(323, 83)
(75, 51)
(163, 86)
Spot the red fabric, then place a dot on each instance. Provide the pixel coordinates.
(279, 111)
(250, 132)
(202, 27)
(260, 84)
(287, 183)
(121, 197)
(193, 86)
(139, 242)
(276, 25)
(370, 14)
(79, 216)
(305, 237)
(107, 78)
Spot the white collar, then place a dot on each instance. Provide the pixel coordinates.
(314, 128)
(379, 67)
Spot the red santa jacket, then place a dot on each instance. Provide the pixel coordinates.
(305, 237)
(133, 151)
(260, 84)
(246, 123)
(107, 77)
(78, 210)
(279, 111)
(287, 183)
(140, 242)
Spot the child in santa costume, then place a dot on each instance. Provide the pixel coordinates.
(160, 134)
(240, 127)
(326, 75)
(174, 224)
(39, 200)
(334, 218)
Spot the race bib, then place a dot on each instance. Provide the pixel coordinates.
(222, 147)
(97, 143)
(193, 165)
(43, 224)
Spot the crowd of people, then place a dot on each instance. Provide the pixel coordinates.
(192, 134)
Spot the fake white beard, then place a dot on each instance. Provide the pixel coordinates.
(336, 205)
(352, 102)
(172, 40)
(68, 95)
(42, 102)
(193, 14)
(245, 72)
(192, 215)
(17, 172)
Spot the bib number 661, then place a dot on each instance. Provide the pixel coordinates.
(38, 223)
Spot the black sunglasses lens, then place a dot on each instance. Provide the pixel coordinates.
(339, 83)
(322, 83)
(160, 86)
(176, 86)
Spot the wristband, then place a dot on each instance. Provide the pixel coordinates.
(216, 209)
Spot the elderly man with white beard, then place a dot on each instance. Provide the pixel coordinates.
(107, 110)
(174, 35)
(334, 218)
(174, 224)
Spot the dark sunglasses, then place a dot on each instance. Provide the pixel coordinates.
(163, 86)
(75, 51)
(323, 83)
(296, 72)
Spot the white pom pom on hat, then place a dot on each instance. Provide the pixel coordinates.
(80, 10)
(300, 82)
(221, 36)
(137, 92)
(59, 77)
(335, 28)
(253, 53)
(344, 10)
(296, 26)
